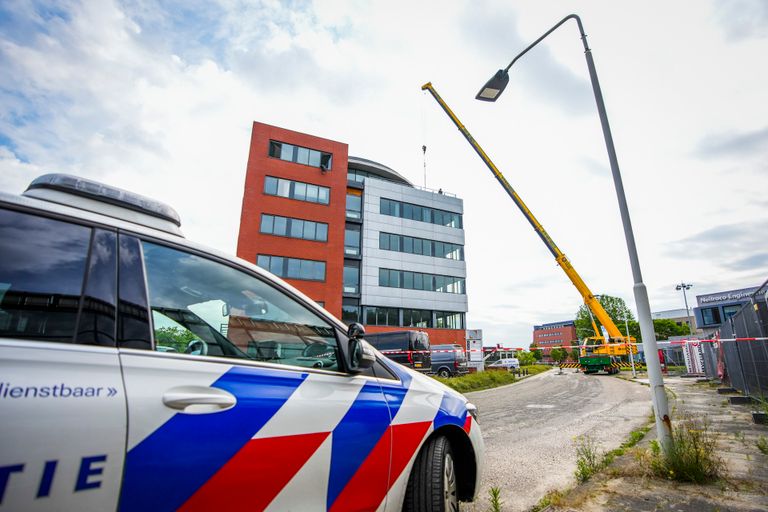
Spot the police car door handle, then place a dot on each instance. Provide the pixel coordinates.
(198, 399)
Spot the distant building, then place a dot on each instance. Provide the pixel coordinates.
(715, 308)
(555, 334)
(679, 316)
(354, 235)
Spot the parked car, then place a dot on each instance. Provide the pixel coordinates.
(507, 363)
(409, 348)
(449, 360)
(142, 371)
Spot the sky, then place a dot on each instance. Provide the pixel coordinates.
(158, 97)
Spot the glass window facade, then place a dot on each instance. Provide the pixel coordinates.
(351, 276)
(354, 204)
(420, 281)
(420, 213)
(300, 155)
(412, 245)
(382, 316)
(449, 320)
(292, 268)
(294, 228)
(350, 310)
(352, 240)
(417, 318)
(711, 316)
(296, 190)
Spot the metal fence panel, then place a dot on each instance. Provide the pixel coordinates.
(746, 362)
(710, 360)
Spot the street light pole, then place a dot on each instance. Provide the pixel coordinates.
(685, 286)
(490, 92)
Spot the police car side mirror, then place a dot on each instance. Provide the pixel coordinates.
(361, 355)
(355, 331)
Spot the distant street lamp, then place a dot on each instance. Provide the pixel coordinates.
(685, 286)
(491, 92)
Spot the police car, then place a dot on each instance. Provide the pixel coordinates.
(141, 371)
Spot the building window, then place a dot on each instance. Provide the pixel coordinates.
(449, 320)
(350, 310)
(422, 246)
(300, 155)
(292, 268)
(420, 213)
(354, 204)
(351, 276)
(710, 316)
(382, 316)
(352, 240)
(294, 228)
(296, 190)
(729, 311)
(417, 318)
(420, 281)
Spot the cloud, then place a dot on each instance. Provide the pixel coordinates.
(743, 19)
(759, 260)
(734, 144)
(733, 246)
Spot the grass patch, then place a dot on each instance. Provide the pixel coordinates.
(486, 380)
(691, 457)
(553, 498)
(762, 445)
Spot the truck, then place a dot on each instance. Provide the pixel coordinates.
(599, 352)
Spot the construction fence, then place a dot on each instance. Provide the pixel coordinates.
(739, 355)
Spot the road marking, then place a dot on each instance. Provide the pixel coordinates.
(540, 406)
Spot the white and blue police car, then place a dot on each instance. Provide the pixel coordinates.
(141, 371)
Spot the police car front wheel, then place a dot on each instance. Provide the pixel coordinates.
(432, 485)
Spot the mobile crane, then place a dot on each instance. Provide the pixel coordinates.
(596, 352)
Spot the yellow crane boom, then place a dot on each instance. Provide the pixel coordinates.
(589, 299)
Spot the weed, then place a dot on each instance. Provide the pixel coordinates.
(588, 459)
(691, 456)
(553, 498)
(740, 437)
(762, 444)
(494, 494)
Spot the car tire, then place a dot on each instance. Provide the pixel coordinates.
(432, 486)
(444, 373)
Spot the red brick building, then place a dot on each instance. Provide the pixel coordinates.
(354, 235)
(555, 334)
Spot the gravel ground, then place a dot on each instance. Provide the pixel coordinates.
(529, 429)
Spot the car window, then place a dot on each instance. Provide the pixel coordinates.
(43, 264)
(202, 307)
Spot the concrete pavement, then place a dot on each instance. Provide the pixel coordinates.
(529, 429)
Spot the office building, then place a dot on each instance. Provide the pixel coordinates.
(354, 235)
(555, 334)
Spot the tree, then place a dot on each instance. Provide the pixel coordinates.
(618, 311)
(525, 358)
(536, 351)
(174, 337)
(575, 354)
(558, 355)
(665, 328)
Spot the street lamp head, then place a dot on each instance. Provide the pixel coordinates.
(493, 87)
(683, 286)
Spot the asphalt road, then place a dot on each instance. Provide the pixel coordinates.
(529, 429)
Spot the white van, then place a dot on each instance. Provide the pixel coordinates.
(509, 362)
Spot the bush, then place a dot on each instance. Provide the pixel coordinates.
(588, 459)
(691, 457)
